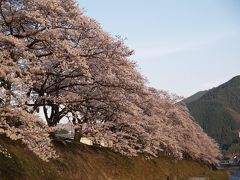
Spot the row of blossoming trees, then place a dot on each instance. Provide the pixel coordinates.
(54, 58)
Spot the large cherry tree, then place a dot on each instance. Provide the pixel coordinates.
(55, 59)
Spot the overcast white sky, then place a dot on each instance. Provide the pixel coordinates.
(181, 46)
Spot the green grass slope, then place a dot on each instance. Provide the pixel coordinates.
(218, 112)
(82, 162)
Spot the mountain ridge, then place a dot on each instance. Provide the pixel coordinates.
(195, 96)
(218, 111)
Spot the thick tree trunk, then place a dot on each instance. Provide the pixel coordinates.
(51, 123)
(77, 134)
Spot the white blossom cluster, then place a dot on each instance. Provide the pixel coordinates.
(5, 152)
(29, 129)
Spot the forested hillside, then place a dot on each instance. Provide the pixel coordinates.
(218, 112)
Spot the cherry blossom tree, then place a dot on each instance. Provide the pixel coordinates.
(161, 124)
(54, 58)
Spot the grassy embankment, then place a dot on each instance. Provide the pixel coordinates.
(82, 162)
